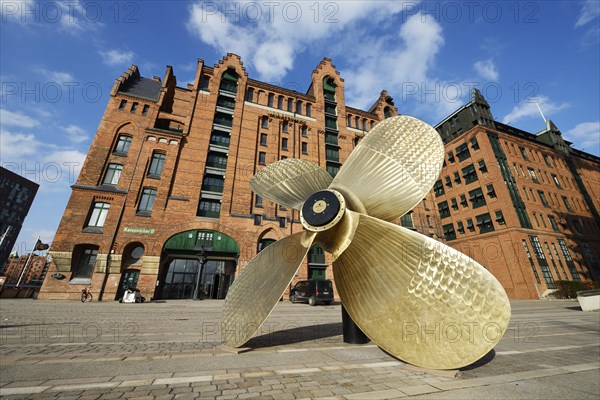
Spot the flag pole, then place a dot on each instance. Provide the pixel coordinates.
(27, 262)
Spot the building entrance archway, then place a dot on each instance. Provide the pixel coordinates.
(197, 264)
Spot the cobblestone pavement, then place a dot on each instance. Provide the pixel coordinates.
(173, 350)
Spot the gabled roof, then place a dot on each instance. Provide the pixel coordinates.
(144, 88)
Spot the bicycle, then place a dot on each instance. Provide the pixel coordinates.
(86, 295)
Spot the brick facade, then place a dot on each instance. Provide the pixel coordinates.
(215, 134)
(180, 124)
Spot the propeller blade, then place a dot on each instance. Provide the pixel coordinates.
(260, 285)
(418, 299)
(392, 169)
(289, 182)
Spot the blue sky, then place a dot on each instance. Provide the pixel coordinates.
(59, 59)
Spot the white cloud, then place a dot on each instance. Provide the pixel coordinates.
(115, 58)
(76, 134)
(585, 135)
(270, 39)
(54, 167)
(529, 109)
(9, 118)
(486, 69)
(396, 63)
(56, 76)
(590, 10)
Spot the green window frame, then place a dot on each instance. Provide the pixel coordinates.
(469, 174)
(484, 222)
(443, 209)
(477, 198)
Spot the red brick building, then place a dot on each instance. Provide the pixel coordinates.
(163, 201)
(524, 205)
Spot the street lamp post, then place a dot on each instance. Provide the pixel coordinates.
(201, 261)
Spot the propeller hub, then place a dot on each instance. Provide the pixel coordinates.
(322, 210)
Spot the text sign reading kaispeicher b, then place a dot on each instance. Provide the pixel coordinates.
(139, 231)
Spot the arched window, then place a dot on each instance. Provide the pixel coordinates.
(262, 243)
(349, 122)
(229, 81)
(280, 102)
(387, 113)
(250, 94)
(299, 107)
(329, 88)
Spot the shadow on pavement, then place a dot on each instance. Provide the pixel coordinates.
(481, 362)
(298, 334)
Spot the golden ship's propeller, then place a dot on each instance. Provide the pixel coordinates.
(418, 299)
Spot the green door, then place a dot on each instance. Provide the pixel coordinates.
(317, 274)
(129, 279)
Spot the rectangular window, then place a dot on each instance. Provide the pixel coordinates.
(332, 169)
(216, 160)
(535, 273)
(543, 198)
(448, 182)
(457, 178)
(271, 99)
(425, 206)
(112, 175)
(123, 144)
(145, 109)
(484, 222)
(209, 208)
(556, 181)
(282, 222)
(285, 127)
(298, 107)
(490, 191)
(523, 153)
(262, 158)
(547, 160)
(454, 204)
(438, 188)
(264, 122)
(134, 107)
(482, 166)
(476, 197)
(469, 174)
(304, 148)
(308, 109)
(470, 225)
(304, 131)
(553, 223)
(331, 138)
(258, 201)
(474, 144)
(98, 215)
(462, 152)
(213, 183)
(532, 175)
(330, 109)
(284, 144)
(123, 104)
(219, 138)
(450, 157)
(443, 209)
(263, 139)
(449, 232)
(86, 263)
(463, 201)
(290, 106)
(331, 123)
(156, 165)
(569, 260)
(567, 204)
(407, 220)
(332, 154)
(147, 201)
(500, 217)
(280, 102)
(460, 228)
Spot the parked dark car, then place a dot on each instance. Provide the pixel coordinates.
(312, 292)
